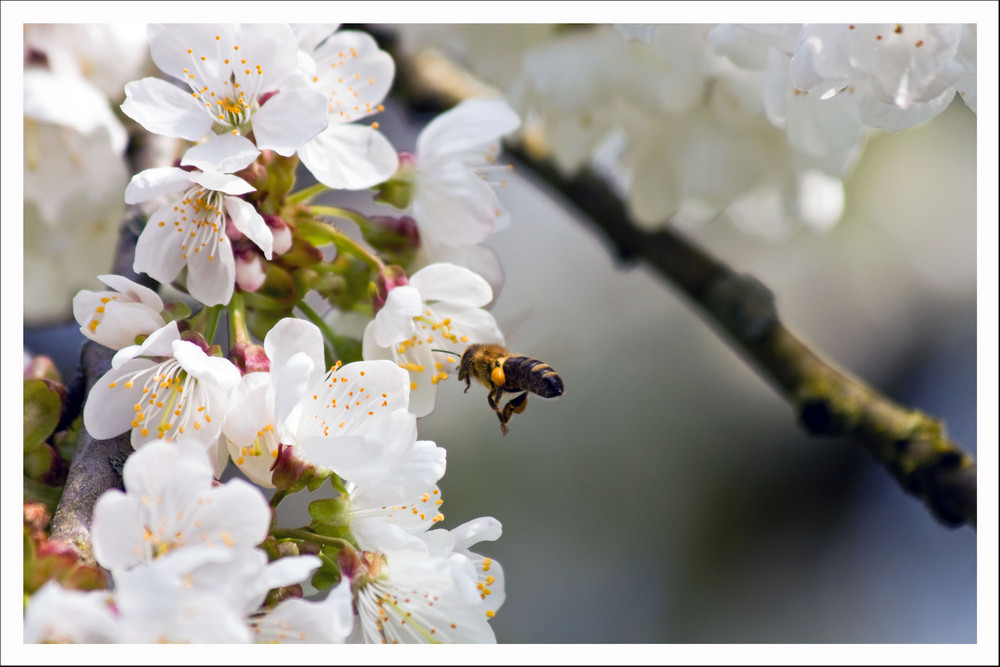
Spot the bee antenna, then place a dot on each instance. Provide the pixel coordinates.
(447, 352)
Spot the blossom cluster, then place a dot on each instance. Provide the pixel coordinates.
(759, 122)
(288, 400)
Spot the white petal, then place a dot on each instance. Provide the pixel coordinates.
(289, 119)
(246, 219)
(291, 336)
(216, 370)
(157, 252)
(350, 157)
(394, 323)
(157, 344)
(248, 413)
(272, 46)
(237, 516)
(421, 468)
(225, 153)
(290, 382)
(473, 123)
(182, 49)
(122, 324)
(227, 183)
(116, 531)
(359, 398)
(474, 324)
(484, 528)
(45, 99)
(108, 410)
(454, 284)
(163, 108)
(310, 35)
(353, 74)
(59, 615)
(212, 272)
(297, 620)
(367, 455)
(453, 206)
(477, 258)
(133, 290)
(154, 182)
(248, 410)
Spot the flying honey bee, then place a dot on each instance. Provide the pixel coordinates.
(502, 372)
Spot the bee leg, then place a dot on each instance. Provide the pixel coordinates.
(494, 398)
(515, 406)
(503, 423)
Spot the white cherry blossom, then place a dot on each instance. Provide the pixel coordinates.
(191, 232)
(440, 309)
(454, 202)
(353, 75)
(115, 318)
(170, 502)
(60, 615)
(329, 621)
(241, 81)
(424, 587)
(351, 419)
(165, 388)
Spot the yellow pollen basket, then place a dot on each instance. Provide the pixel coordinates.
(497, 377)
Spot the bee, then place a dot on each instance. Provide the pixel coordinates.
(502, 372)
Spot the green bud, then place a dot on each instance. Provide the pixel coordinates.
(322, 581)
(176, 311)
(398, 190)
(301, 254)
(330, 511)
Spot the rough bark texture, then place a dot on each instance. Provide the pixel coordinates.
(96, 467)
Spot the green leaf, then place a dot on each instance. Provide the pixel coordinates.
(42, 407)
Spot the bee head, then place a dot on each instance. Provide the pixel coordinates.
(465, 364)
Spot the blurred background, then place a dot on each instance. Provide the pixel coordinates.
(669, 496)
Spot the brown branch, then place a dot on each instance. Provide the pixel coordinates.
(96, 467)
(828, 401)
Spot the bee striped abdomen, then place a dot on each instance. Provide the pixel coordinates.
(527, 374)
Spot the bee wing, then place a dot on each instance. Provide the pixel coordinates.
(511, 324)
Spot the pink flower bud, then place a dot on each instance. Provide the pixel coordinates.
(393, 276)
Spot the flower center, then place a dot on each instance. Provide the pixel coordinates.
(200, 221)
(226, 83)
(171, 400)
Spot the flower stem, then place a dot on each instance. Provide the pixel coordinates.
(342, 241)
(337, 212)
(305, 195)
(237, 321)
(212, 322)
(301, 534)
(278, 496)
